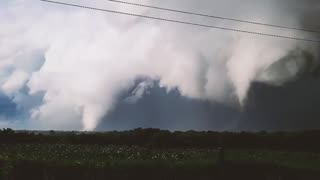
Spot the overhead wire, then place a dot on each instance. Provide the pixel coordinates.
(213, 16)
(183, 22)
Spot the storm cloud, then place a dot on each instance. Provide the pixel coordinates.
(68, 68)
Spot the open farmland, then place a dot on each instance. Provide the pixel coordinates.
(63, 158)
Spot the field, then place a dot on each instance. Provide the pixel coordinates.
(28, 157)
(101, 156)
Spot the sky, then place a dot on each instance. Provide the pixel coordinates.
(67, 68)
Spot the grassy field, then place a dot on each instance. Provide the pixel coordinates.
(101, 156)
(159, 154)
(16, 159)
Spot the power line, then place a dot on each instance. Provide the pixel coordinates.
(214, 16)
(183, 22)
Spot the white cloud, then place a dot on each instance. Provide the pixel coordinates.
(90, 58)
(15, 82)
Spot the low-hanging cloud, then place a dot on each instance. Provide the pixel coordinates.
(79, 61)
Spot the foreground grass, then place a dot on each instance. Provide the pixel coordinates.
(101, 156)
(48, 159)
(297, 160)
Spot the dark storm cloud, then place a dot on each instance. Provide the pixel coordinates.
(7, 107)
(293, 106)
(284, 105)
(307, 11)
(91, 58)
(159, 109)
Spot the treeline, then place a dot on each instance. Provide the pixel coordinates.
(155, 138)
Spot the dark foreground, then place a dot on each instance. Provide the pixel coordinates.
(146, 170)
(155, 154)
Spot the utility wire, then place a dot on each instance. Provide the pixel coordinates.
(214, 16)
(183, 22)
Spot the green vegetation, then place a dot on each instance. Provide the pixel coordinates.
(66, 155)
(101, 156)
(155, 138)
(297, 160)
